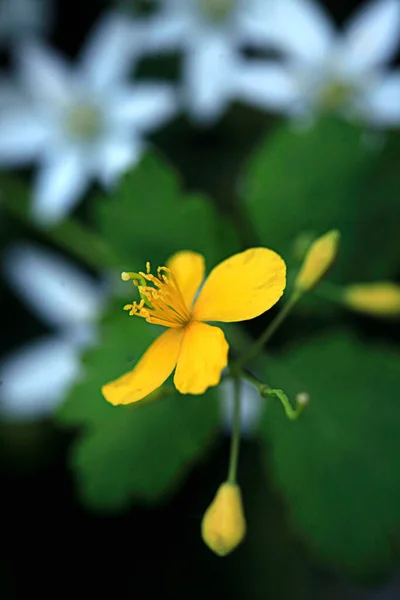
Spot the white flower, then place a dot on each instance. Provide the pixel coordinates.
(211, 33)
(329, 71)
(22, 18)
(35, 378)
(80, 123)
(9, 96)
(251, 406)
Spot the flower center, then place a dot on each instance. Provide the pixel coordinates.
(335, 94)
(161, 302)
(84, 121)
(216, 10)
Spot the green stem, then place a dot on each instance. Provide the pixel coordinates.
(258, 345)
(235, 439)
(266, 391)
(257, 383)
(85, 244)
(292, 413)
(68, 234)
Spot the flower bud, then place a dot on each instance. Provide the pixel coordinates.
(318, 259)
(381, 298)
(224, 526)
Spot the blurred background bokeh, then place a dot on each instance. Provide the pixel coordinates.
(171, 140)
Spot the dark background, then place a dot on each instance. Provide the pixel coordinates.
(50, 544)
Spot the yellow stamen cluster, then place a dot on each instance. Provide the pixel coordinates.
(162, 302)
(335, 95)
(217, 10)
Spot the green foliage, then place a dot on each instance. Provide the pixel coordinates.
(140, 452)
(150, 218)
(377, 253)
(135, 452)
(337, 466)
(300, 183)
(271, 563)
(69, 234)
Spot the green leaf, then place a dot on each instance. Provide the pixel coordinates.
(135, 452)
(306, 183)
(338, 465)
(271, 563)
(150, 218)
(70, 234)
(378, 240)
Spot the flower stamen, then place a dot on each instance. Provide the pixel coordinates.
(216, 11)
(162, 302)
(335, 95)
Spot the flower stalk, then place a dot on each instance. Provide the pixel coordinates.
(267, 391)
(267, 334)
(68, 234)
(235, 439)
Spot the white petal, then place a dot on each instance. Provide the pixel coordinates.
(82, 335)
(267, 85)
(373, 35)
(256, 21)
(251, 406)
(35, 378)
(60, 184)
(43, 73)
(208, 74)
(115, 156)
(53, 287)
(9, 94)
(303, 28)
(108, 55)
(165, 32)
(20, 18)
(382, 105)
(23, 135)
(144, 106)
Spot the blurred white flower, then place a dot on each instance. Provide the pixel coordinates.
(80, 123)
(9, 96)
(22, 18)
(211, 33)
(251, 407)
(35, 378)
(329, 71)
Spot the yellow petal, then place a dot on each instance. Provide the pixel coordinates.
(381, 298)
(318, 259)
(203, 355)
(242, 287)
(155, 366)
(188, 269)
(224, 526)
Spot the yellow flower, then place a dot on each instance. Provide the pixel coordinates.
(318, 259)
(381, 298)
(224, 526)
(240, 288)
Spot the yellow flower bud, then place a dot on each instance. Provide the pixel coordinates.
(381, 298)
(318, 259)
(224, 526)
